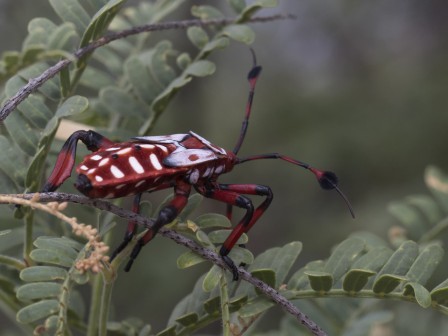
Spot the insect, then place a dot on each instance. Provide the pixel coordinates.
(178, 161)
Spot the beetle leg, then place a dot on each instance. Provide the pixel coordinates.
(166, 215)
(66, 158)
(232, 195)
(131, 229)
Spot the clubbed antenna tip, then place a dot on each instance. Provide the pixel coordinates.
(328, 181)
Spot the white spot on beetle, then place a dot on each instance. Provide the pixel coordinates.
(124, 150)
(155, 161)
(219, 169)
(120, 186)
(147, 146)
(207, 172)
(116, 172)
(83, 167)
(135, 165)
(98, 178)
(112, 149)
(110, 195)
(194, 176)
(96, 157)
(103, 162)
(91, 171)
(138, 184)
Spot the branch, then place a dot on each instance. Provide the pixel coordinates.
(179, 239)
(35, 83)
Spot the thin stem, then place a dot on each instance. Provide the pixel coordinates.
(179, 239)
(34, 83)
(12, 262)
(224, 297)
(106, 298)
(95, 306)
(28, 244)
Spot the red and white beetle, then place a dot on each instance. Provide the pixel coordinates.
(180, 161)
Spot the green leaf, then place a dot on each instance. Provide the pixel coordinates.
(22, 133)
(71, 11)
(200, 68)
(193, 203)
(189, 259)
(51, 257)
(425, 264)
(250, 10)
(206, 12)
(183, 60)
(240, 33)
(170, 331)
(265, 275)
(320, 281)
(188, 319)
(72, 106)
(39, 290)
(410, 217)
(343, 256)
(141, 80)
(440, 293)
(198, 36)
(420, 293)
(255, 307)
(212, 220)
(35, 110)
(356, 279)
(37, 311)
(402, 259)
(211, 279)
(213, 306)
(219, 237)
(118, 102)
(62, 37)
(43, 273)
(237, 5)
(56, 244)
(386, 283)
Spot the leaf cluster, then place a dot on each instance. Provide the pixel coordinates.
(122, 89)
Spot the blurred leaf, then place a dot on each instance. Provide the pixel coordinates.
(189, 259)
(37, 311)
(343, 256)
(71, 11)
(211, 279)
(425, 264)
(240, 33)
(420, 293)
(51, 257)
(212, 220)
(320, 281)
(43, 273)
(206, 12)
(219, 236)
(198, 36)
(39, 290)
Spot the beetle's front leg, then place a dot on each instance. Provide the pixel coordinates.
(66, 158)
(166, 215)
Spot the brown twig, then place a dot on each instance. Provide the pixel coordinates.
(179, 239)
(34, 83)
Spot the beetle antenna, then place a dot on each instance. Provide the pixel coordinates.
(252, 78)
(327, 180)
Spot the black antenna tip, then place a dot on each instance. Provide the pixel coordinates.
(254, 72)
(328, 180)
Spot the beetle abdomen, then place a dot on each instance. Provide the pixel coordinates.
(125, 169)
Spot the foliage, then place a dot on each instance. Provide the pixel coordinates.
(122, 89)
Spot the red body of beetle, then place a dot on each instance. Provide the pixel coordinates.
(178, 161)
(149, 163)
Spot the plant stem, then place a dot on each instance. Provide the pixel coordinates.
(225, 313)
(95, 306)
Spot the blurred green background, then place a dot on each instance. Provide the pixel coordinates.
(359, 88)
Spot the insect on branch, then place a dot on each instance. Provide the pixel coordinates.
(207, 254)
